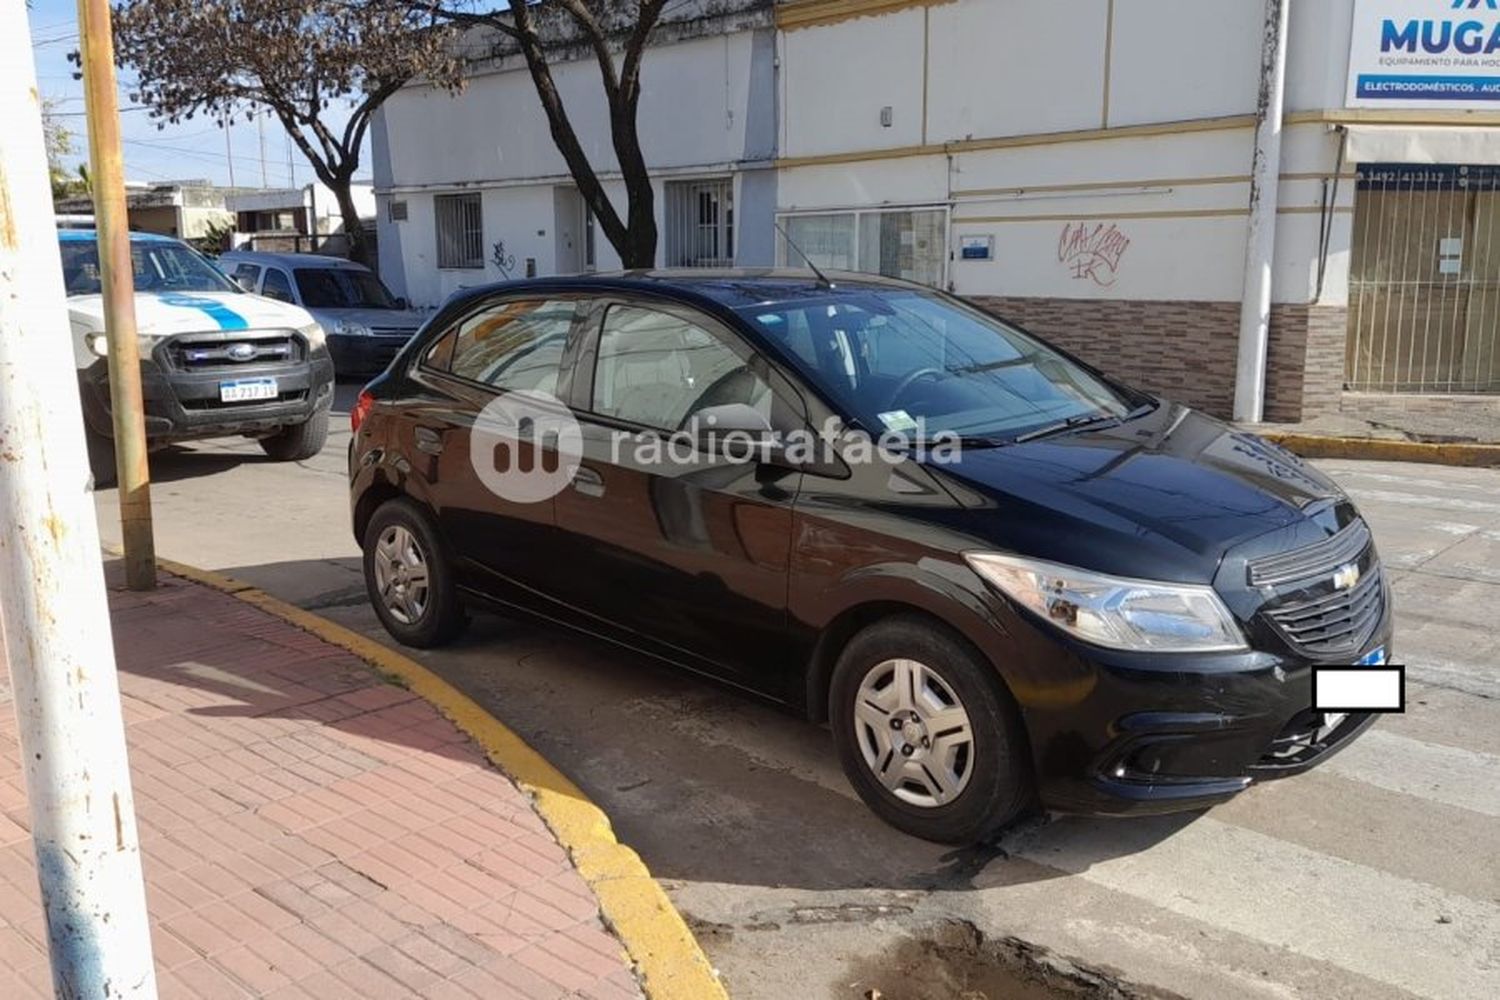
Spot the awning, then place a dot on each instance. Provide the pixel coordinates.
(1422, 144)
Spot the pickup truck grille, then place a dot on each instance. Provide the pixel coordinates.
(193, 355)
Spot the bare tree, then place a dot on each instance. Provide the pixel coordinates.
(616, 32)
(295, 59)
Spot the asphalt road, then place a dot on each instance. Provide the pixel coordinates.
(1377, 875)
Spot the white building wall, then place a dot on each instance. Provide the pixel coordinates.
(1041, 117)
(697, 119)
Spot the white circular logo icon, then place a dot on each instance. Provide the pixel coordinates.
(525, 446)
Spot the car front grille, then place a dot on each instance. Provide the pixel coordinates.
(194, 355)
(1334, 623)
(1322, 559)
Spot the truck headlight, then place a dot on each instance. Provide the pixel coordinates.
(1115, 612)
(347, 328)
(98, 343)
(314, 335)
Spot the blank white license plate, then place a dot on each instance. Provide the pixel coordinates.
(246, 389)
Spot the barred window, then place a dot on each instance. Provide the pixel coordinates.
(460, 231)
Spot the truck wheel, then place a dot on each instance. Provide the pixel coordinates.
(101, 451)
(300, 441)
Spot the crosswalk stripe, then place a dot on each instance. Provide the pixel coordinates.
(1466, 677)
(1364, 496)
(1451, 775)
(1398, 931)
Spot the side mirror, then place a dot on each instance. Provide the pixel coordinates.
(401, 302)
(737, 431)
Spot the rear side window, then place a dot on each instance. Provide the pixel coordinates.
(514, 345)
(657, 369)
(277, 285)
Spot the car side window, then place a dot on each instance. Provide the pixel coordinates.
(658, 369)
(278, 286)
(514, 345)
(246, 275)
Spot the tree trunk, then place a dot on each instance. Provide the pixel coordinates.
(354, 229)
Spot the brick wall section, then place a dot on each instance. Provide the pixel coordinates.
(1186, 351)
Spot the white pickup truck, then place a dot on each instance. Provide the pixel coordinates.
(216, 361)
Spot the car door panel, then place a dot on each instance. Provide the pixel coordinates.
(690, 557)
(505, 547)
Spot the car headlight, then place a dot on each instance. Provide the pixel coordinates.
(348, 328)
(1113, 611)
(315, 337)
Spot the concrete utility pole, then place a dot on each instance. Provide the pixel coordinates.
(107, 163)
(52, 603)
(1265, 195)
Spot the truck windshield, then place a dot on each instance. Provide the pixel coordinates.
(158, 266)
(911, 362)
(342, 288)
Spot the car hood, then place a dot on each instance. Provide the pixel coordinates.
(1163, 496)
(163, 313)
(376, 319)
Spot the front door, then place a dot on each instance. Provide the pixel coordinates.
(681, 550)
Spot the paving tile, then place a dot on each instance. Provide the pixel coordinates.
(330, 837)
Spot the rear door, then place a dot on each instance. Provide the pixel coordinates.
(505, 541)
(682, 551)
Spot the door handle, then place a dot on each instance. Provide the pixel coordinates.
(588, 482)
(429, 441)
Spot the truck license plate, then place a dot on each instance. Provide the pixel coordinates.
(246, 389)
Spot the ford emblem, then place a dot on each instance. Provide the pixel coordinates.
(240, 352)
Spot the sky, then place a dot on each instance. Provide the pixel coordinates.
(191, 150)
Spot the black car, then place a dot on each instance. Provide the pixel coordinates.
(1038, 587)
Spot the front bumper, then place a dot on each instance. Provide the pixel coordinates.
(368, 355)
(181, 405)
(1135, 733)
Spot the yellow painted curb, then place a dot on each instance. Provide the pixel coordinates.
(1386, 450)
(667, 957)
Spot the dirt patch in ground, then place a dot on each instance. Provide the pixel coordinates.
(954, 961)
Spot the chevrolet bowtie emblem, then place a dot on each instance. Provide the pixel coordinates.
(1346, 577)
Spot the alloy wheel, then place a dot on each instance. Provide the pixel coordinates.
(914, 733)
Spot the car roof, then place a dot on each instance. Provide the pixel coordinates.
(92, 236)
(731, 288)
(290, 259)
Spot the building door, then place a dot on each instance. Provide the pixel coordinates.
(1424, 282)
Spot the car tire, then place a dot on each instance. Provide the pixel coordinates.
(101, 450)
(966, 789)
(300, 441)
(400, 536)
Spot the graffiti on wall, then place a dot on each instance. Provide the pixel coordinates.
(1092, 251)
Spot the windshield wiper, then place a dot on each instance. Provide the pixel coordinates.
(1071, 424)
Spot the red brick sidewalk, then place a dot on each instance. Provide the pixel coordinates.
(310, 831)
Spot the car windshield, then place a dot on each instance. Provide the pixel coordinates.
(342, 288)
(918, 363)
(159, 266)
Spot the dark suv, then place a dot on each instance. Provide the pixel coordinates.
(1004, 578)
